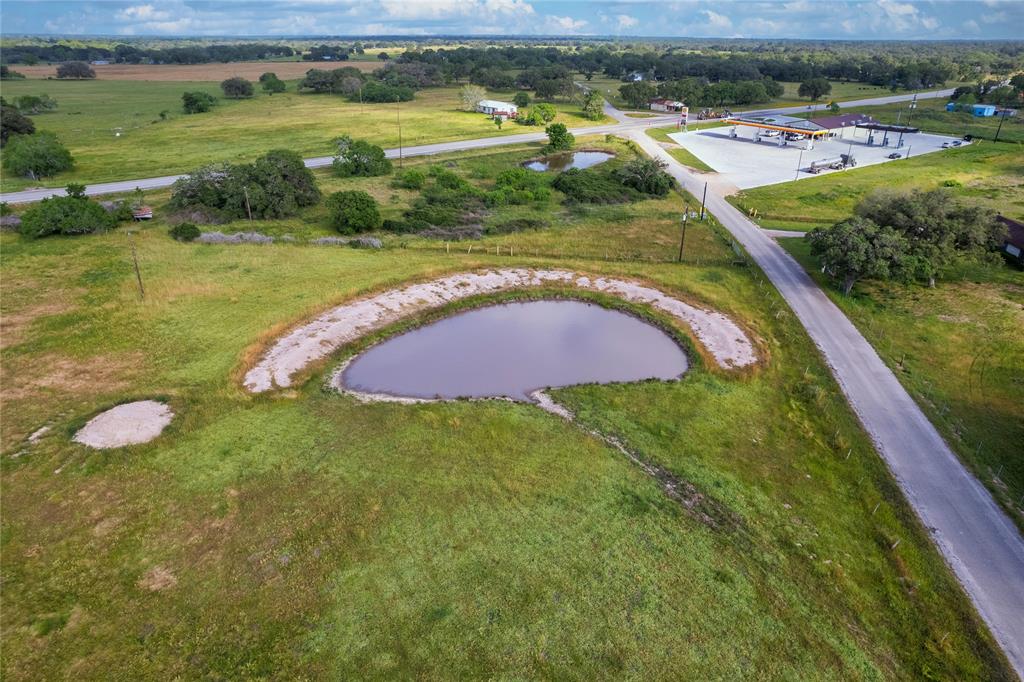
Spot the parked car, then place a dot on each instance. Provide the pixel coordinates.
(956, 143)
(895, 155)
(947, 145)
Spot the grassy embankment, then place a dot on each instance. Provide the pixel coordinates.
(681, 154)
(307, 534)
(956, 348)
(91, 113)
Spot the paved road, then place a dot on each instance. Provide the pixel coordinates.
(623, 125)
(979, 541)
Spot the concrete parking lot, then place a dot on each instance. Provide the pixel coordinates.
(745, 164)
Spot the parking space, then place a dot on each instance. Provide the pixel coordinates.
(745, 163)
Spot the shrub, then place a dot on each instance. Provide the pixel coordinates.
(559, 137)
(410, 179)
(518, 186)
(274, 186)
(13, 122)
(37, 155)
(237, 88)
(353, 211)
(271, 83)
(197, 102)
(593, 187)
(545, 111)
(646, 176)
(517, 225)
(7, 75)
(35, 104)
(185, 232)
(375, 91)
(75, 70)
(359, 158)
(71, 214)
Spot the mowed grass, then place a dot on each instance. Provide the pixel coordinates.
(681, 154)
(114, 129)
(304, 534)
(986, 172)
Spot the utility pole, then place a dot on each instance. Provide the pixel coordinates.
(248, 208)
(398, 108)
(1001, 119)
(799, 161)
(682, 239)
(135, 263)
(703, 200)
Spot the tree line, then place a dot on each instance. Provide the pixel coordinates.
(129, 54)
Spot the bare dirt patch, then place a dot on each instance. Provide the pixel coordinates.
(127, 424)
(156, 579)
(723, 339)
(198, 72)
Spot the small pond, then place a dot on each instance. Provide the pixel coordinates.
(513, 349)
(563, 162)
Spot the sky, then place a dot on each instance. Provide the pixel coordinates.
(821, 19)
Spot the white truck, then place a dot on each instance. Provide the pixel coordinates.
(836, 163)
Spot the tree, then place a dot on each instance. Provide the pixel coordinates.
(352, 212)
(814, 88)
(1018, 83)
(471, 95)
(638, 95)
(593, 105)
(33, 104)
(521, 99)
(547, 112)
(237, 88)
(13, 122)
(548, 89)
(71, 214)
(271, 83)
(75, 70)
(359, 158)
(7, 75)
(646, 175)
(559, 137)
(499, 121)
(383, 56)
(36, 156)
(833, 107)
(857, 248)
(938, 229)
(197, 102)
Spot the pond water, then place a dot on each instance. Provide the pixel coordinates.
(513, 349)
(562, 162)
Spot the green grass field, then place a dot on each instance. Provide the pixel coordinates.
(307, 535)
(681, 154)
(114, 130)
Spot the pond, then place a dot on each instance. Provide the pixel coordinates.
(513, 349)
(562, 162)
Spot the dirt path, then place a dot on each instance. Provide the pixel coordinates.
(723, 339)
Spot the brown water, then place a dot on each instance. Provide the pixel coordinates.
(562, 162)
(513, 349)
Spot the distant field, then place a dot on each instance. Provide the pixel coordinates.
(285, 70)
(90, 115)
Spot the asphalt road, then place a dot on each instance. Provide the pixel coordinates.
(981, 544)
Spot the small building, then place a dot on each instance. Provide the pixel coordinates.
(983, 110)
(496, 109)
(1013, 243)
(142, 213)
(100, 62)
(670, 105)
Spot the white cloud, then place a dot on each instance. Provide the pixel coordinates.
(971, 26)
(716, 20)
(625, 21)
(566, 23)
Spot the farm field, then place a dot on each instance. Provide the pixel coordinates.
(285, 69)
(91, 113)
(958, 350)
(330, 538)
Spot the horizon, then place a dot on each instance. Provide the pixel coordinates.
(829, 20)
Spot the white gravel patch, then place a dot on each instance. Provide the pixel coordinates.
(723, 338)
(128, 424)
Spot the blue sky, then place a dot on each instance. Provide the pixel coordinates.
(834, 19)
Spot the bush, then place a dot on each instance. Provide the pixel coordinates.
(375, 91)
(237, 88)
(646, 176)
(72, 214)
(353, 211)
(271, 83)
(593, 187)
(197, 102)
(35, 104)
(75, 70)
(359, 158)
(36, 156)
(185, 232)
(13, 122)
(559, 137)
(518, 186)
(7, 75)
(410, 179)
(274, 186)
(517, 225)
